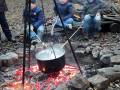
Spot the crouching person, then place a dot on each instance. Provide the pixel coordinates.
(92, 24)
(92, 16)
(37, 21)
(66, 12)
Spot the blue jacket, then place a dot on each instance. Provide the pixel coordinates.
(65, 10)
(37, 17)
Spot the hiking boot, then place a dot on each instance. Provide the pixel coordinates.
(12, 40)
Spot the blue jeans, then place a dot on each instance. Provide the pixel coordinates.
(92, 24)
(40, 32)
(66, 22)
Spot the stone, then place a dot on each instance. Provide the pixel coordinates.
(62, 87)
(1, 79)
(95, 52)
(116, 52)
(95, 44)
(99, 82)
(19, 51)
(78, 83)
(8, 58)
(88, 50)
(83, 44)
(115, 59)
(111, 72)
(105, 51)
(80, 51)
(105, 59)
(116, 68)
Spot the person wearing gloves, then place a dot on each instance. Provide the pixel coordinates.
(3, 21)
(37, 21)
(66, 12)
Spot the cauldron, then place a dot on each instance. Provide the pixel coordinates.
(52, 59)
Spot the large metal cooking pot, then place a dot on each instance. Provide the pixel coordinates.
(52, 59)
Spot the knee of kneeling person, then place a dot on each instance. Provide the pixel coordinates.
(40, 29)
(87, 17)
(97, 18)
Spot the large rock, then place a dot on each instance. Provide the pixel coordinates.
(116, 68)
(88, 49)
(83, 44)
(8, 58)
(80, 51)
(62, 87)
(96, 45)
(105, 51)
(111, 72)
(116, 52)
(78, 83)
(115, 59)
(99, 82)
(105, 59)
(96, 51)
(19, 51)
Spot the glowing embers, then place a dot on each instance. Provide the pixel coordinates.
(19, 86)
(63, 76)
(19, 72)
(50, 81)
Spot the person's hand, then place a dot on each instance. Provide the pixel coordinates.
(31, 27)
(98, 14)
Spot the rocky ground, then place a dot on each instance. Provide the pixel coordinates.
(102, 53)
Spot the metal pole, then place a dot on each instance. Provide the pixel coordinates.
(29, 23)
(44, 15)
(67, 36)
(24, 49)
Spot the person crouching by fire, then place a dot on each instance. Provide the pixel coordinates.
(92, 16)
(37, 21)
(66, 11)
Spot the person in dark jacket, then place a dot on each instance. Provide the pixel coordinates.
(3, 21)
(92, 16)
(66, 12)
(37, 20)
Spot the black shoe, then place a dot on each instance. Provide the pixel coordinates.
(11, 40)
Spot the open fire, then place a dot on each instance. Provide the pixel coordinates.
(52, 80)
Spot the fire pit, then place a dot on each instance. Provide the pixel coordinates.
(50, 81)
